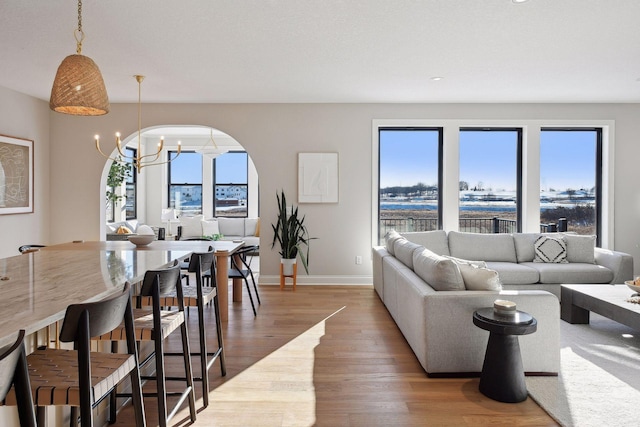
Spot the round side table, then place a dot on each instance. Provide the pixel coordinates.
(502, 377)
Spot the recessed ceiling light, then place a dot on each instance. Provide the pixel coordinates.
(519, 1)
(436, 78)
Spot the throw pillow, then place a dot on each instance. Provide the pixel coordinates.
(550, 250)
(479, 278)
(210, 227)
(441, 273)
(191, 226)
(404, 250)
(580, 248)
(460, 261)
(390, 240)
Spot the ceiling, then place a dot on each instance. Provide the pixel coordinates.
(265, 51)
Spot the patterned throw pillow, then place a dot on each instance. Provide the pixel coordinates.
(550, 250)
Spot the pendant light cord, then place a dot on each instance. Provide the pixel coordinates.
(79, 34)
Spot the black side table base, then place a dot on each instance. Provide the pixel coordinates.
(502, 377)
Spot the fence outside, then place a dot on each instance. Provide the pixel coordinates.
(472, 225)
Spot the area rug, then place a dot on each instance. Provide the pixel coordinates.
(599, 381)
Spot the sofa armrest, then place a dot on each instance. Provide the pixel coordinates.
(619, 262)
(377, 254)
(455, 344)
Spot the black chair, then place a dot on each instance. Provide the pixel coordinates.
(82, 378)
(241, 269)
(199, 296)
(13, 370)
(156, 324)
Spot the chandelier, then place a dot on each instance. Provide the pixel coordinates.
(139, 160)
(211, 150)
(78, 88)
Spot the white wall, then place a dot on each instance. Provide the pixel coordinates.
(25, 117)
(273, 135)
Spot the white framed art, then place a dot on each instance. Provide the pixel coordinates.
(317, 177)
(16, 175)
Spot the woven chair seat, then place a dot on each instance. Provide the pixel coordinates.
(190, 299)
(54, 376)
(143, 325)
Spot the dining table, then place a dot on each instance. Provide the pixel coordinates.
(37, 287)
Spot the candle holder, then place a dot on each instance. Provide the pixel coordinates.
(504, 308)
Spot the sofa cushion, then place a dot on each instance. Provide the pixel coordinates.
(404, 249)
(390, 240)
(580, 248)
(550, 250)
(515, 274)
(210, 227)
(487, 247)
(250, 226)
(479, 279)
(441, 273)
(524, 246)
(231, 226)
(460, 261)
(436, 241)
(576, 272)
(191, 226)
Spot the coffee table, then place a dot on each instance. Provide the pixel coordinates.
(607, 300)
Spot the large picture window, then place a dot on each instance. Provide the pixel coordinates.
(570, 171)
(231, 184)
(409, 179)
(185, 183)
(131, 186)
(490, 164)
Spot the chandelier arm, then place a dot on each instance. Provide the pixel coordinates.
(106, 156)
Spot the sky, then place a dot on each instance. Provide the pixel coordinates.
(230, 168)
(409, 157)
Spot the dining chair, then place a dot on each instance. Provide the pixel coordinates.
(241, 269)
(155, 324)
(82, 378)
(199, 296)
(14, 371)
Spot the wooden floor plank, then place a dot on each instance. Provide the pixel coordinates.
(330, 356)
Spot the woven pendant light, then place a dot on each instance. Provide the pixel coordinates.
(78, 88)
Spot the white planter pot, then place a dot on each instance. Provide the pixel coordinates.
(287, 266)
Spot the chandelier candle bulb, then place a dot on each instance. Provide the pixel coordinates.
(504, 308)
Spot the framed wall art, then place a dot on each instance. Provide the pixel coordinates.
(317, 177)
(16, 175)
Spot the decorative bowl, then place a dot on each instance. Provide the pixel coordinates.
(631, 286)
(141, 239)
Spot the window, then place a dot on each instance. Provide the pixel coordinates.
(131, 186)
(570, 171)
(231, 184)
(490, 180)
(410, 179)
(185, 183)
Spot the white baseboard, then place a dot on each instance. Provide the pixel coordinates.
(304, 279)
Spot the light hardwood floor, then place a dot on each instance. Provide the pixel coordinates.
(331, 356)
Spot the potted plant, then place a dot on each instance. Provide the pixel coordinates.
(292, 236)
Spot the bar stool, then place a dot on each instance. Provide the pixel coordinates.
(14, 370)
(82, 378)
(156, 325)
(199, 296)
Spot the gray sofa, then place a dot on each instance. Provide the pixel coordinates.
(246, 229)
(438, 325)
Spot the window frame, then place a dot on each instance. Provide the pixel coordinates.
(170, 183)
(439, 173)
(215, 184)
(599, 170)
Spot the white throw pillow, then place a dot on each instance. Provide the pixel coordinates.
(580, 248)
(441, 273)
(480, 278)
(210, 227)
(250, 225)
(231, 226)
(390, 240)
(460, 261)
(191, 226)
(550, 250)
